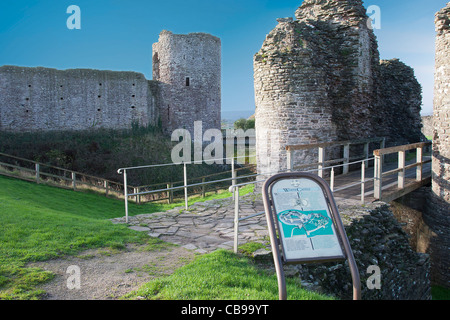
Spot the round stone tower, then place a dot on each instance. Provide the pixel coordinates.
(437, 216)
(314, 81)
(188, 68)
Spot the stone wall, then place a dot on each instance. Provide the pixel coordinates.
(189, 70)
(437, 216)
(400, 104)
(377, 239)
(428, 126)
(319, 79)
(186, 88)
(35, 99)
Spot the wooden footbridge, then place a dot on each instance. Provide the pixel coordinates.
(385, 175)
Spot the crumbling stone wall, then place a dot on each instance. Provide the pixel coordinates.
(399, 104)
(319, 79)
(377, 239)
(33, 99)
(437, 216)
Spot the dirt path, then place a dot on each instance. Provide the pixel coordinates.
(106, 275)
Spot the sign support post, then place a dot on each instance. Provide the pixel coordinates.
(305, 225)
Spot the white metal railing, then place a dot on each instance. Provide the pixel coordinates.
(185, 185)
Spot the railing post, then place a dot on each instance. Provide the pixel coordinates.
(401, 165)
(363, 181)
(236, 218)
(321, 160)
(378, 175)
(419, 171)
(366, 154)
(203, 188)
(347, 158)
(138, 197)
(332, 180)
(74, 181)
(170, 192)
(290, 160)
(382, 146)
(106, 185)
(233, 174)
(185, 188)
(37, 172)
(125, 186)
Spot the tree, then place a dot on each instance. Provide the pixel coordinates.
(244, 124)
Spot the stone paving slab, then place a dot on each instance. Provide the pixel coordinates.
(206, 226)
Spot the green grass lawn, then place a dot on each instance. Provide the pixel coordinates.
(38, 223)
(221, 275)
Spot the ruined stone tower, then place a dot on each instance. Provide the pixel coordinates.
(319, 79)
(437, 216)
(189, 70)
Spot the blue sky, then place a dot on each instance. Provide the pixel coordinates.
(118, 35)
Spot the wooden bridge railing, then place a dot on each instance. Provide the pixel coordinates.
(346, 159)
(401, 170)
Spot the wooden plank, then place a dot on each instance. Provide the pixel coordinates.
(380, 152)
(335, 143)
(389, 196)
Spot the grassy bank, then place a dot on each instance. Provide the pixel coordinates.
(39, 222)
(221, 275)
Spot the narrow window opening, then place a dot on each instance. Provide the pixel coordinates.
(188, 81)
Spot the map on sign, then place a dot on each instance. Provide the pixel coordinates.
(305, 224)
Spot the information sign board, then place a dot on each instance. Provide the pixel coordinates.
(304, 221)
(305, 225)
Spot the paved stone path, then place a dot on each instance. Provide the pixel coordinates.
(206, 226)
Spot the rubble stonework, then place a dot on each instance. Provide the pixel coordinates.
(44, 99)
(33, 99)
(319, 79)
(437, 216)
(189, 70)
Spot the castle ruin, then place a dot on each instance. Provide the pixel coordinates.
(185, 88)
(319, 78)
(437, 216)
